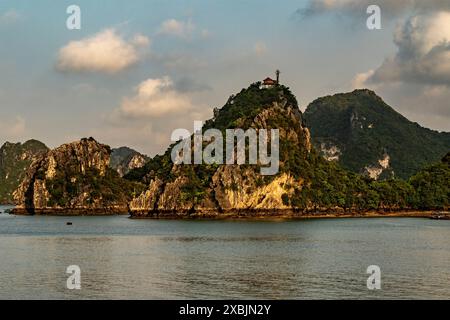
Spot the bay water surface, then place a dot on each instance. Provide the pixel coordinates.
(122, 258)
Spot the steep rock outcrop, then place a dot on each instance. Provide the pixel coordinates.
(306, 184)
(15, 158)
(74, 178)
(221, 190)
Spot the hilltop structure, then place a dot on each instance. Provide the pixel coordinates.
(270, 83)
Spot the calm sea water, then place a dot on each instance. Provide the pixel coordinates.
(122, 258)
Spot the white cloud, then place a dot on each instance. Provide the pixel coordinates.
(360, 80)
(416, 79)
(155, 98)
(182, 29)
(105, 51)
(140, 40)
(422, 32)
(9, 16)
(146, 119)
(389, 8)
(423, 54)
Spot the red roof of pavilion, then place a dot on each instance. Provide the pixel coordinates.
(269, 81)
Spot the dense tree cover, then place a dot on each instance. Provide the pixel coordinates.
(432, 186)
(158, 166)
(327, 186)
(324, 185)
(15, 158)
(243, 107)
(109, 188)
(238, 112)
(364, 127)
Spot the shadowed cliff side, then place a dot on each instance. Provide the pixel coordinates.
(74, 178)
(15, 158)
(124, 159)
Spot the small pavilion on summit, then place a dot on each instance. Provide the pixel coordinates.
(269, 82)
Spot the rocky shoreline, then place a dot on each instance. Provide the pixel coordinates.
(283, 214)
(111, 211)
(77, 179)
(239, 214)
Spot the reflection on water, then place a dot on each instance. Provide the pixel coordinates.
(148, 259)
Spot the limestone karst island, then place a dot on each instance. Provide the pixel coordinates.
(338, 158)
(208, 152)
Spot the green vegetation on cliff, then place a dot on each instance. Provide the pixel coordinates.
(108, 188)
(315, 184)
(333, 187)
(360, 129)
(77, 177)
(124, 159)
(240, 111)
(15, 158)
(432, 186)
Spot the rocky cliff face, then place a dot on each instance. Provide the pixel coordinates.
(218, 190)
(74, 178)
(15, 158)
(125, 159)
(362, 133)
(77, 178)
(306, 183)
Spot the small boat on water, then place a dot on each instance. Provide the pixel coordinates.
(69, 223)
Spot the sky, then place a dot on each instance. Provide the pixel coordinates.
(137, 70)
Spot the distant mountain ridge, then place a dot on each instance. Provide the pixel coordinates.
(365, 135)
(124, 159)
(15, 158)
